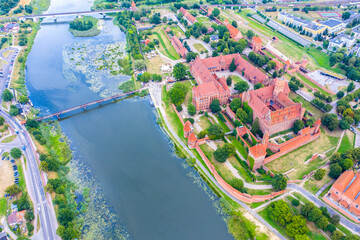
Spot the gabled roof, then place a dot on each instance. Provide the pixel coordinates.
(16, 217)
(343, 181)
(257, 40)
(187, 126)
(234, 32)
(353, 190)
(192, 138)
(258, 150)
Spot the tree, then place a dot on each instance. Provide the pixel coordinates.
(15, 153)
(139, 65)
(350, 87)
(237, 227)
(232, 65)
(228, 81)
(13, 110)
(7, 95)
(279, 182)
(229, 149)
(258, 85)
(280, 212)
(65, 216)
(215, 12)
(319, 174)
(220, 155)
(2, 120)
(241, 86)
(215, 106)
(190, 56)
(250, 34)
(345, 15)
(241, 115)
(340, 94)
(301, 237)
(335, 219)
(337, 235)
(29, 215)
(177, 93)
(255, 127)
(234, 23)
(156, 77)
(298, 125)
(67, 233)
(297, 226)
(322, 222)
(23, 99)
(331, 121)
(335, 170)
(179, 71)
(13, 189)
(295, 202)
(191, 109)
(346, 163)
(326, 44)
(238, 184)
(215, 132)
(235, 104)
(206, 39)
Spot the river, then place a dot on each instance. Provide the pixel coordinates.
(139, 188)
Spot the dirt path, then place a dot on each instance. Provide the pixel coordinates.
(6, 176)
(24, 2)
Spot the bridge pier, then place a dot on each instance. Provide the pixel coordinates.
(58, 116)
(84, 108)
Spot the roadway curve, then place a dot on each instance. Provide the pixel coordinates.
(35, 186)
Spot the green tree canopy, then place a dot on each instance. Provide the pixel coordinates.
(215, 131)
(298, 125)
(7, 95)
(15, 153)
(241, 86)
(177, 93)
(191, 109)
(179, 71)
(215, 106)
(235, 104)
(13, 189)
(279, 182)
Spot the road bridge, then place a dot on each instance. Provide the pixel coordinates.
(86, 105)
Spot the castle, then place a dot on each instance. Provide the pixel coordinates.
(272, 106)
(211, 87)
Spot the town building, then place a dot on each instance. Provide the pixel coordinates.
(314, 29)
(179, 47)
(332, 25)
(356, 33)
(334, 44)
(133, 6)
(256, 44)
(272, 106)
(295, 21)
(342, 40)
(235, 33)
(16, 218)
(190, 18)
(344, 194)
(210, 86)
(3, 236)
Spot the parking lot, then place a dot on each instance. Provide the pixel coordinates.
(7, 59)
(332, 83)
(6, 176)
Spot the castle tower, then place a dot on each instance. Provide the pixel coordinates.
(256, 44)
(192, 140)
(187, 129)
(279, 86)
(317, 126)
(222, 62)
(133, 6)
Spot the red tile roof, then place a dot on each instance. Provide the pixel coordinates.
(133, 4)
(344, 203)
(343, 181)
(257, 40)
(186, 14)
(258, 150)
(147, 41)
(353, 190)
(187, 126)
(179, 47)
(234, 32)
(192, 138)
(16, 217)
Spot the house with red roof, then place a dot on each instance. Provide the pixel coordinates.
(344, 194)
(272, 106)
(179, 47)
(16, 218)
(234, 32)
(256, 44)
(133, 6)
(147, 41)
(210, 86)
(190, 18)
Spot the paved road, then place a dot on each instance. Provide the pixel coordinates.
(47, 218)
(252, 212)
(7, 229)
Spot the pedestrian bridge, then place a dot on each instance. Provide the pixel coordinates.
(85, 106)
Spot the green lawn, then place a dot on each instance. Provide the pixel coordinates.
(314, 110)
(238, 146)
(202, 19)
(3, 206)
(22, 183)
(200, 48)
(169, 50)
(323, 59)
(223, 125)
(265, 215)
(9, 139)
(311, 84)
(347, 142)
(177, 31)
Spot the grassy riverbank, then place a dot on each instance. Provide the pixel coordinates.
(79, 28)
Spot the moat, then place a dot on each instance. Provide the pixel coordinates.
(139, 188)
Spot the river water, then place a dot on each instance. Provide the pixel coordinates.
(139, 188)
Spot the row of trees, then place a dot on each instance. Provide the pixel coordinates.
(342, 162)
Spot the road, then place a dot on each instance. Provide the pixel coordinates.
(35, 186)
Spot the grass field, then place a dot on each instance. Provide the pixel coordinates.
(22, 183)
(314, 186)
(311, 84)
(3, 206)
(323, 59)
(9, 139)
(204, 122)
(314, 110)
(153, 65)
(200, 48)
(177, 31)
(296, 158)
(347, 142)
(166, 48)
(238, 146)
(202, 19)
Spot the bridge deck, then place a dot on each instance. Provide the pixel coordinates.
(84, 106)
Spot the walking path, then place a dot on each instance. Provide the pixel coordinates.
(324, 187)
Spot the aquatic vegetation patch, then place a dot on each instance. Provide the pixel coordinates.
(96, 64)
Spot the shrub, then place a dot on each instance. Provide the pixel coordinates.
(295, 202)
